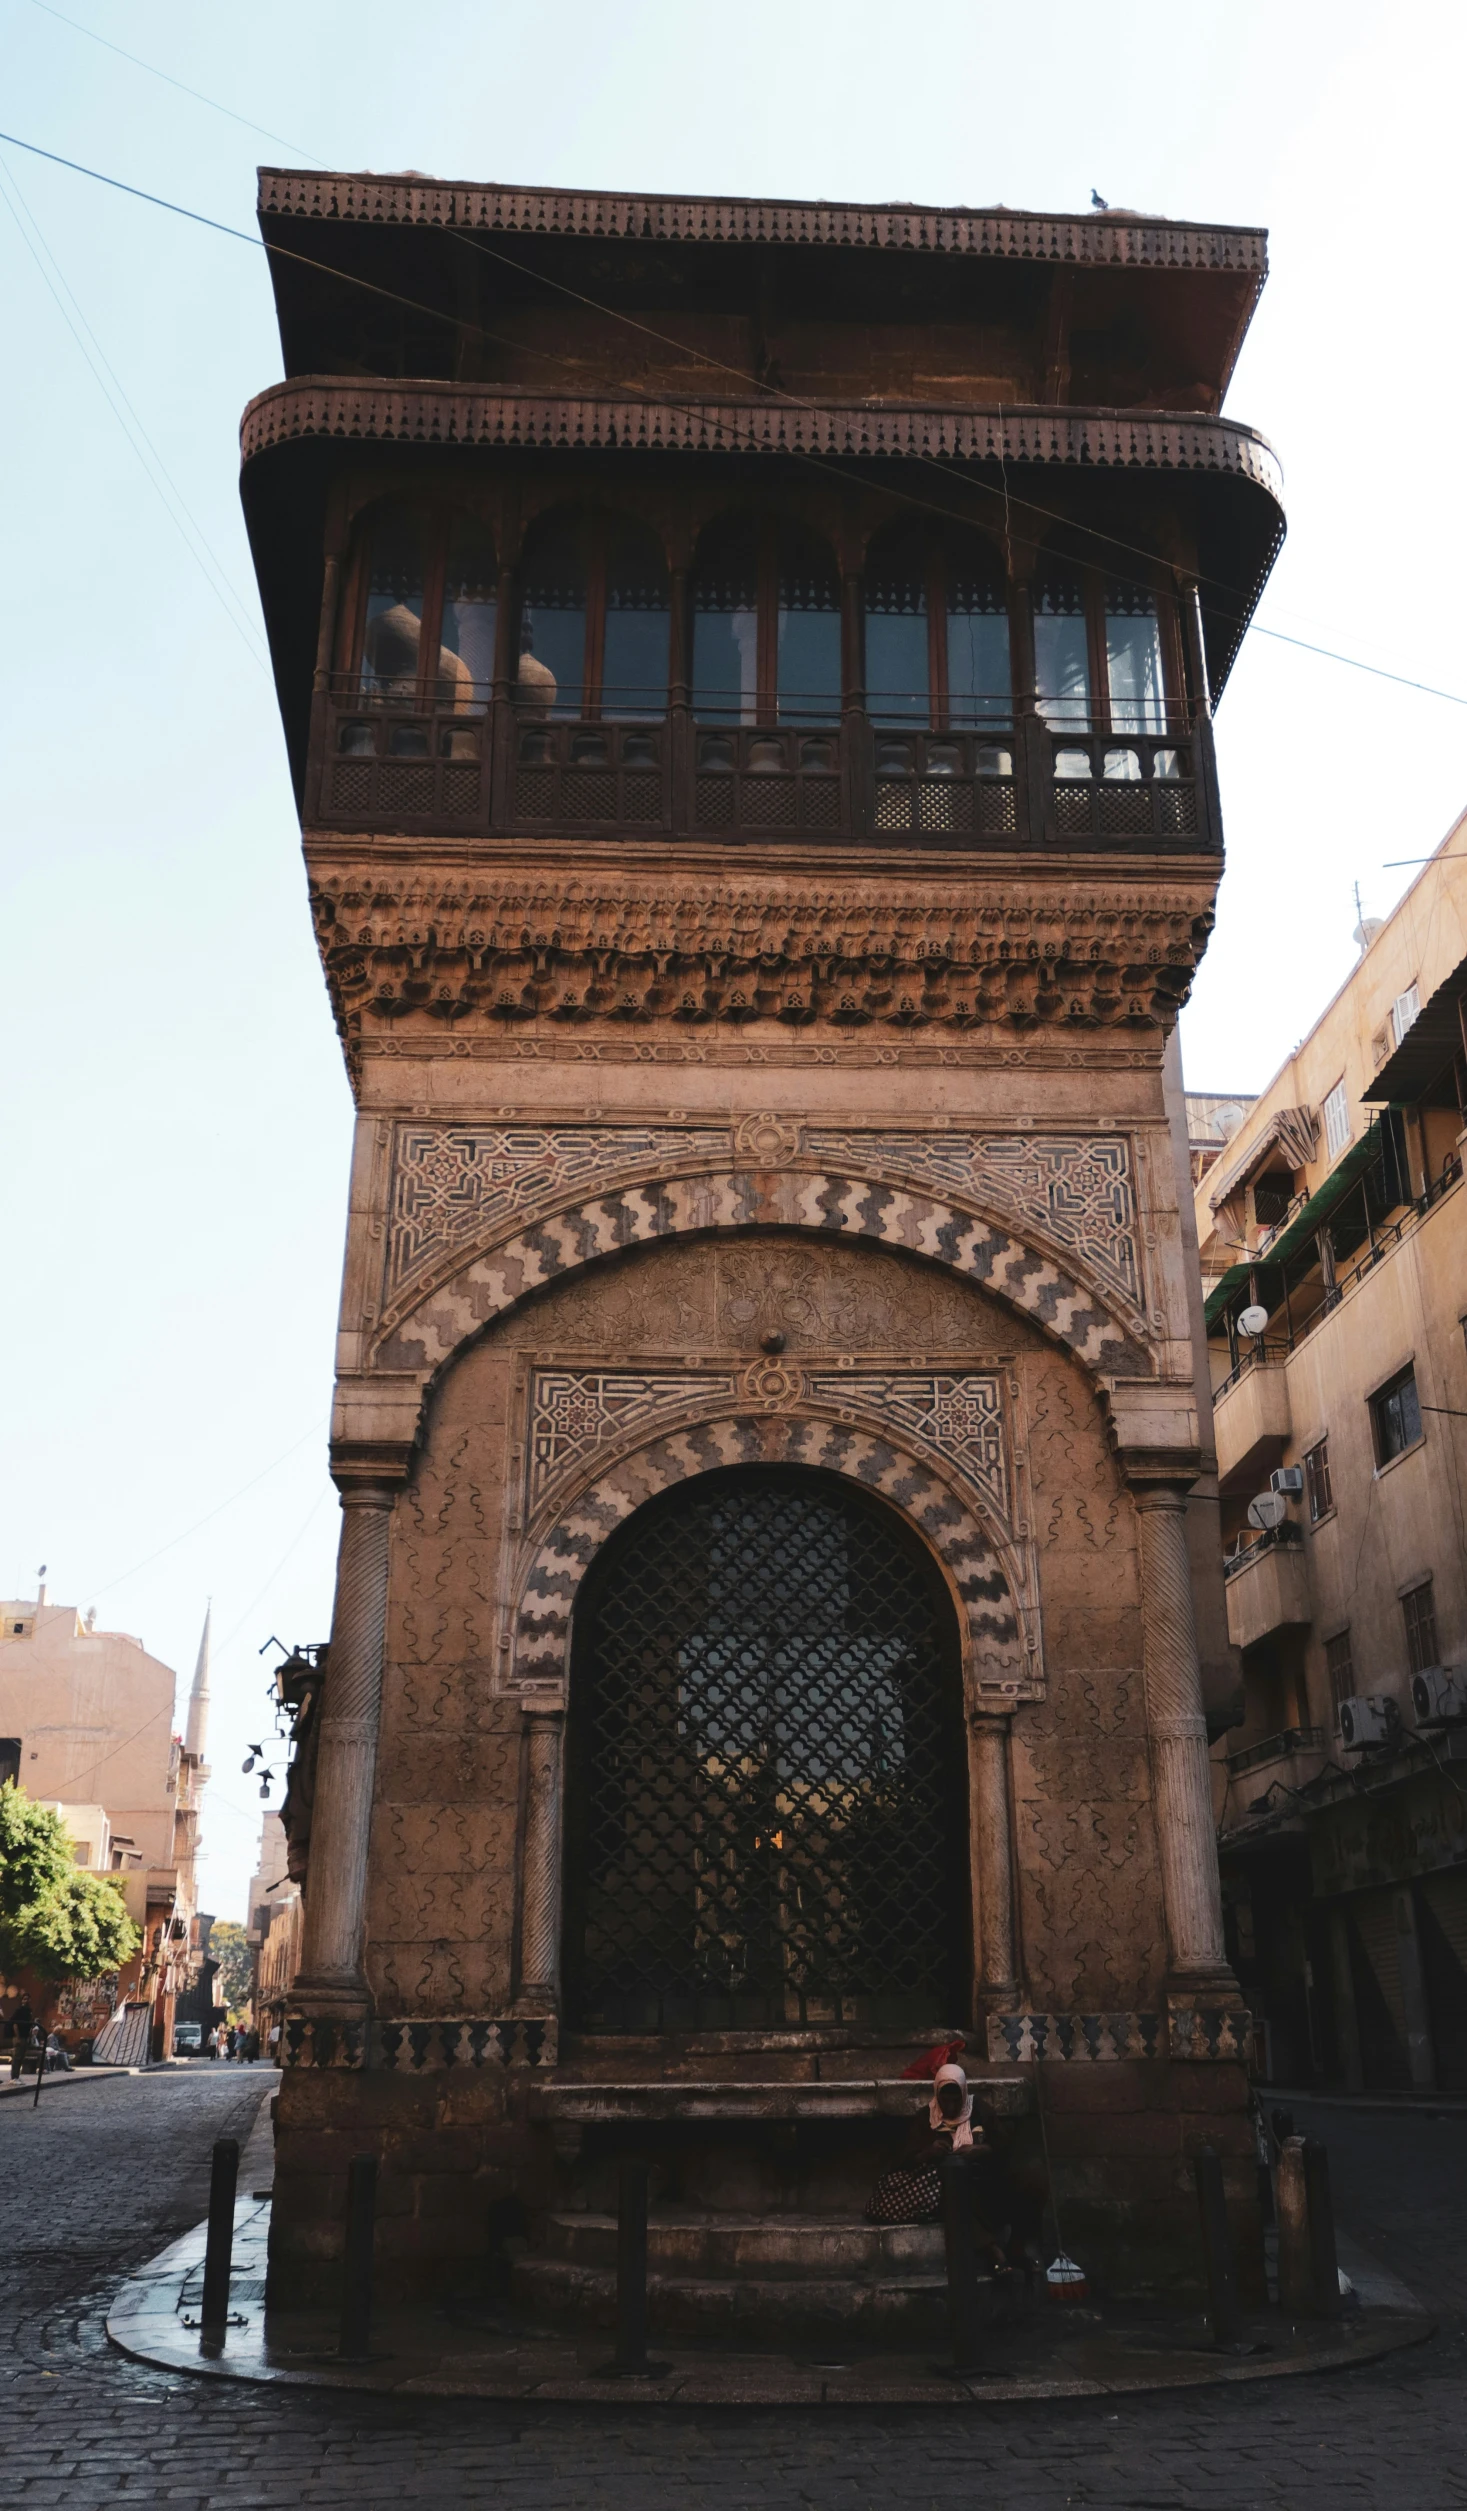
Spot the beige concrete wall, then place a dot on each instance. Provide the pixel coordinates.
(1390, 1525)
(95, 1716)
(1419, 944)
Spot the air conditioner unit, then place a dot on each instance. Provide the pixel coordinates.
(1439, 1696)
(1288, 1480)
(1368, 1722)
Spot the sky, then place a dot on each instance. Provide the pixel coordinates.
(174, 1120)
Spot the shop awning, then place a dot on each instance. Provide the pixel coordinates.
(1435, 1037)
(1304, 1225)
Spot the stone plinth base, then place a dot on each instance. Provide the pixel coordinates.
(480, 2167)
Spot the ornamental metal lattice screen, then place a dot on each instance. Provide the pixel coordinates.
(767, 1809)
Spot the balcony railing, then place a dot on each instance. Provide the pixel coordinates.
(1276, 1748)
(1285, 1538)
(465, 761)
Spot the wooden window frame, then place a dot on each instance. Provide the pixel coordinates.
(1418, 1612)
(1318, 1483)
(440, 519)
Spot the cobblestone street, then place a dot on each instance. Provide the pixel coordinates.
(104, 2174)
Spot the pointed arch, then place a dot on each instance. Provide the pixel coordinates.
(997, 1656)
(979, 1249)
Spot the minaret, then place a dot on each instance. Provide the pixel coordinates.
(196, 1734)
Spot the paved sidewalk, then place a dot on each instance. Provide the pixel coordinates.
(437, 2350)
(89, 2190)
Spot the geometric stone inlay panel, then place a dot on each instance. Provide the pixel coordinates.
(451, 1183)
(1076, 1187)
(958, 1413)
(573, 1411)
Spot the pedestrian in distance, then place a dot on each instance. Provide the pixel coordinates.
(231, 2044)
(252, 2046)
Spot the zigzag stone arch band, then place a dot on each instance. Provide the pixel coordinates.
(980, 1250)
(996, 1658)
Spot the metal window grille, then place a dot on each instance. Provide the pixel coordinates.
(767, 1818)
(1418, 1606)
(1317, 1481)
(1340, 1667)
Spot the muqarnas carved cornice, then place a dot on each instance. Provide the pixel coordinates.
(653, 946)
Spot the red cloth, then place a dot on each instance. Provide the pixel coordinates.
(928, 2064)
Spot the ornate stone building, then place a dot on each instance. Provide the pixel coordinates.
(747, 668)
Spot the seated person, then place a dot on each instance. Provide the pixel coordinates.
(1008, 2185)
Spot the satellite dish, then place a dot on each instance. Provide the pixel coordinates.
(1253, 1320)
(1267, 1511)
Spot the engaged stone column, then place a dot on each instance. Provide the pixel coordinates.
(993, 1917)
(1179, 1740)
(346, 1759)
(539, 1966)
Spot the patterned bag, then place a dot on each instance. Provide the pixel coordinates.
(905, 2196)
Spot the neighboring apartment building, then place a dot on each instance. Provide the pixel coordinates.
(1333, 1221)
(86, 1725)
(273, 1931)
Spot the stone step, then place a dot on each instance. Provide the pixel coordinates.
(682, 2242)
(755, 2309)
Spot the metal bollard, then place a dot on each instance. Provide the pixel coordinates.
(1217, 2248)
(962, 2261)
(631, 2268)
(1319, 2209)
(356, 2290)
(1296, 2277)
(219, 2246)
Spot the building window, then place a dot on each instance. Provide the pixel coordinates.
(1317, 1483)
(1336, 1120)
(1099, 659)
(1403, 1011)
(1396, 1414)
(429, 610)
(937, 631)
(1418, 1607)
(9, 1761)
(1340, 1667)
(766, 625)
(595, 618)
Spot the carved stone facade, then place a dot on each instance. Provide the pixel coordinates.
(761, 1168)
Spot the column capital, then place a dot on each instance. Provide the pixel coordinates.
(369, 1475)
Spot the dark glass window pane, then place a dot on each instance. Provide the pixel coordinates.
(726, 623)
(809, 678)
(1133, 659)
(978, 683)
(1061, 652)
(634, 655)
(1397, 1418)
(470, 609)
(553, 620)
(390, 646)
(896, 629)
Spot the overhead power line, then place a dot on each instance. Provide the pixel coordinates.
(438, 314)
(169, 80)
(114, 393)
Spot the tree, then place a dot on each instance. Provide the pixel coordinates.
(228, 1948)
(55, 1919)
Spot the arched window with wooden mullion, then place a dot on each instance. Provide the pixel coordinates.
(419, 620)
(937, 631)
(766, 624)
(594, 619)
(1101, 643)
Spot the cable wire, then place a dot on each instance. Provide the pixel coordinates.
(169, 81)
(155, 469)
(456, 321)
